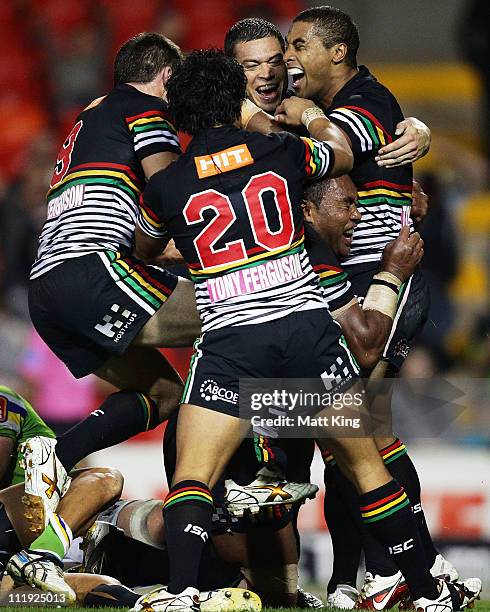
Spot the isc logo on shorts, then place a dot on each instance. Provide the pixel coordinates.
(113, 327)
(211, 391)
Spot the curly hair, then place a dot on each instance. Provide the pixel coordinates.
(207, 90)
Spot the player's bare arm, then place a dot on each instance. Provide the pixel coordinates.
(367, 329)
(300, 111)
(156, 162)
(413, 142)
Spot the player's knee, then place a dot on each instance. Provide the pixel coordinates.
(109, 482)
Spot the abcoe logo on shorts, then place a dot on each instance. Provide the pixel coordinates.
(211, 391)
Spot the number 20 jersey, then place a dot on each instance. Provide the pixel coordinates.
(232, 203)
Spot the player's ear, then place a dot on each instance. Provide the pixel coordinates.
(339, 52)
(166, 74)
(308, 208)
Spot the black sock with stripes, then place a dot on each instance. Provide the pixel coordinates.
(387, 514)
(187, 515)
(121, 416)
(401, 467)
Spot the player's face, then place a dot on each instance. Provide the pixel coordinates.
(265, 70)
(336, 216)
(308, 62)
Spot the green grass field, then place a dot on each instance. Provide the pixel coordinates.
(481, 606)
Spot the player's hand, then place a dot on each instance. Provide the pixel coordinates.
(420, 203)
(401, 256)
(413, 142)
(171, 256)
(290, 111)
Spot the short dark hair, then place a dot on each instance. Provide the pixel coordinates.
(333, 26)
(315, 191)
(142, 57)
(207, 90)
(251, 28)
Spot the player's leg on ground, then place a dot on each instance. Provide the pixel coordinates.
(41, 564)
(97, 591)
(176, 323)
(142, 520)
(121, 416)
(206, 440)
(148, 371)
(268, 560)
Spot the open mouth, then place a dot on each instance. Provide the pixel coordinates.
(268, 93)
(348, 234)
(296, 75)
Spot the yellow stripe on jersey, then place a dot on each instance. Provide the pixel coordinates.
(86, 173)
(236, 264)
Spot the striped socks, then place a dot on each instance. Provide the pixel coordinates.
(387, 513)
(400, 466)
(187, 514)
(55, 539)
(122, 415)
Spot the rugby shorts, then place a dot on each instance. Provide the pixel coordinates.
(304, 344)
(89, 308)
(411, 314)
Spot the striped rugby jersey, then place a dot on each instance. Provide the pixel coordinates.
(92, 203)
(333, 281)
(232, 203)
(369, 113)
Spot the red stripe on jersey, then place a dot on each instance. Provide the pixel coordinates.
(325, 267)
(366, 113)
(387, 184)
(103, 165)
(147, 114)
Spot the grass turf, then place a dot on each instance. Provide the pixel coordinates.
(481, 606)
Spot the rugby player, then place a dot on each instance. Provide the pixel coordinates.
(258, 46)
(321, 57)
(205, 200)
(97, 306)
(98, 487)
(84, 496)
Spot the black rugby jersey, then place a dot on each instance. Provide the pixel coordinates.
(333, 280)
(92, 202)
(368, 113)
(232, 203)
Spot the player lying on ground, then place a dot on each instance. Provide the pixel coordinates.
(204, 97)
(90, 492)
(275, 573)
(256, 552)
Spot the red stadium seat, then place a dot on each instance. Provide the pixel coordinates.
(23, 119)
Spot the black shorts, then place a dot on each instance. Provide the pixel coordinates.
(90, 308)
(411, 314)
(305, 344)
(9, 543)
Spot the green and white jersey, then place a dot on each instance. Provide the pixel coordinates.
(18, 421)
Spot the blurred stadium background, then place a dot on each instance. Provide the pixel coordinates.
(56, 56)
